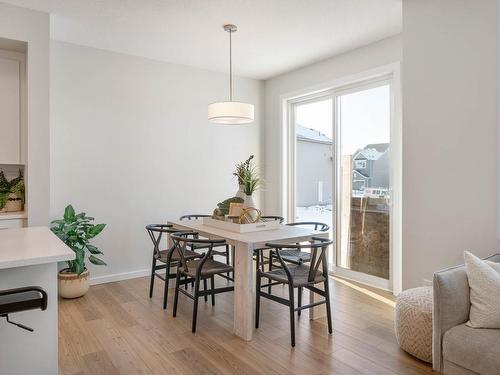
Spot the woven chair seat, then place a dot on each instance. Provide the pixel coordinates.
(210, 267)
(295, 256)
(188, 254)
(300, 276)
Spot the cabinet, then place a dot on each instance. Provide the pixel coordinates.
(11, 77)
(12, 223)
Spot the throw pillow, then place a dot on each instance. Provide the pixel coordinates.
(484, 283)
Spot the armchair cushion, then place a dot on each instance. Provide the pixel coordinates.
(451, 300)
(484, 282)
(477, 350)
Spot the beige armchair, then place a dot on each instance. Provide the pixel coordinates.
(456, 348)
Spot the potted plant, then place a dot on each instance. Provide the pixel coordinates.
(241, 169)
(76, 231)
(11, 193)
(251, 182)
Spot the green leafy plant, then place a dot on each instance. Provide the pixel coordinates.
(241, 169)
(251, 181)
(76, 231)
(224, 205)
(13, 187)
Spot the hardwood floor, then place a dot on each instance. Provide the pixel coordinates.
(117, 329)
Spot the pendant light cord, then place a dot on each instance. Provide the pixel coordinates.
(230, 66)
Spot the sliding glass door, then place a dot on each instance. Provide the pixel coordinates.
(314, 170)
(339, 166)
(363, 122)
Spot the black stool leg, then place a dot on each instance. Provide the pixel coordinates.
(195, 304)
(292, 315)
(152, 283)
(257, 301)
(176, 296)
(299, 299)
(165, 290)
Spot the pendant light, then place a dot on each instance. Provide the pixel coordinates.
(230, 112)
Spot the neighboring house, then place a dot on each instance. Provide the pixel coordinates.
(370, 167)
(314, 173)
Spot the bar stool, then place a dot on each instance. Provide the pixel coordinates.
(196, 270)
(22, 299)
(297, 276)
(167, 258)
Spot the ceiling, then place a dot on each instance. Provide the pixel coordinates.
(274, 36)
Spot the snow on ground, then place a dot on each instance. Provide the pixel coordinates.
(322, 214)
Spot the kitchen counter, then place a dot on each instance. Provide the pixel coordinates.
(30, 246)
(29, 257)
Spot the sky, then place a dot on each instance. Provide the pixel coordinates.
(364, 118)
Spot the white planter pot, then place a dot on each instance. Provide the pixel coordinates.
(248, 202)
(13, 205)
(71, 285)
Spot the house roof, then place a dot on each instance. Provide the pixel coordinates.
(373, 151)
(309, 134)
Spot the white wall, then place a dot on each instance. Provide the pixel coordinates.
(33, 27)
(372, 56)
(450, 133)
(131, 145)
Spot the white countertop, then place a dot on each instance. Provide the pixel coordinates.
(30, 246)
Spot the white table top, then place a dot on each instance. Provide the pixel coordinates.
(284, 233)
(30, 246)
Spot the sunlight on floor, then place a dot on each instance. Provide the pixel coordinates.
(366, 291)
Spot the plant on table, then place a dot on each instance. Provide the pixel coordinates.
(241, 169)
(251, 180)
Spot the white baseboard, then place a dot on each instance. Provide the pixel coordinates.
(119, 276)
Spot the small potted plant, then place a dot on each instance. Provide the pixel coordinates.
(11, 193)
(76, 231)
(241, 169)
(251, 182)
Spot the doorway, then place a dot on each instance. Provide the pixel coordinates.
(343, 168)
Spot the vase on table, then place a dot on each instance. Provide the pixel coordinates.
(248, 201)
(240, 193)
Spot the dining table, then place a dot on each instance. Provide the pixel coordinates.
(244, 245)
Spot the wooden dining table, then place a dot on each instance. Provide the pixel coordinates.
(244, 285)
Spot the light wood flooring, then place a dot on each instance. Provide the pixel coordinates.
(117, 329)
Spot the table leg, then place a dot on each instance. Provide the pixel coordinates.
(243, 291)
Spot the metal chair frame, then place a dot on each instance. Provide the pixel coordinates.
(317, 260)
(156, 232)
(181, 241)
(224, 253)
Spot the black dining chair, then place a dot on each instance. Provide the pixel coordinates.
(258, 254)
(295, 256)
(223, 253)
(167, 258)
(197, 270)
(297, 276)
